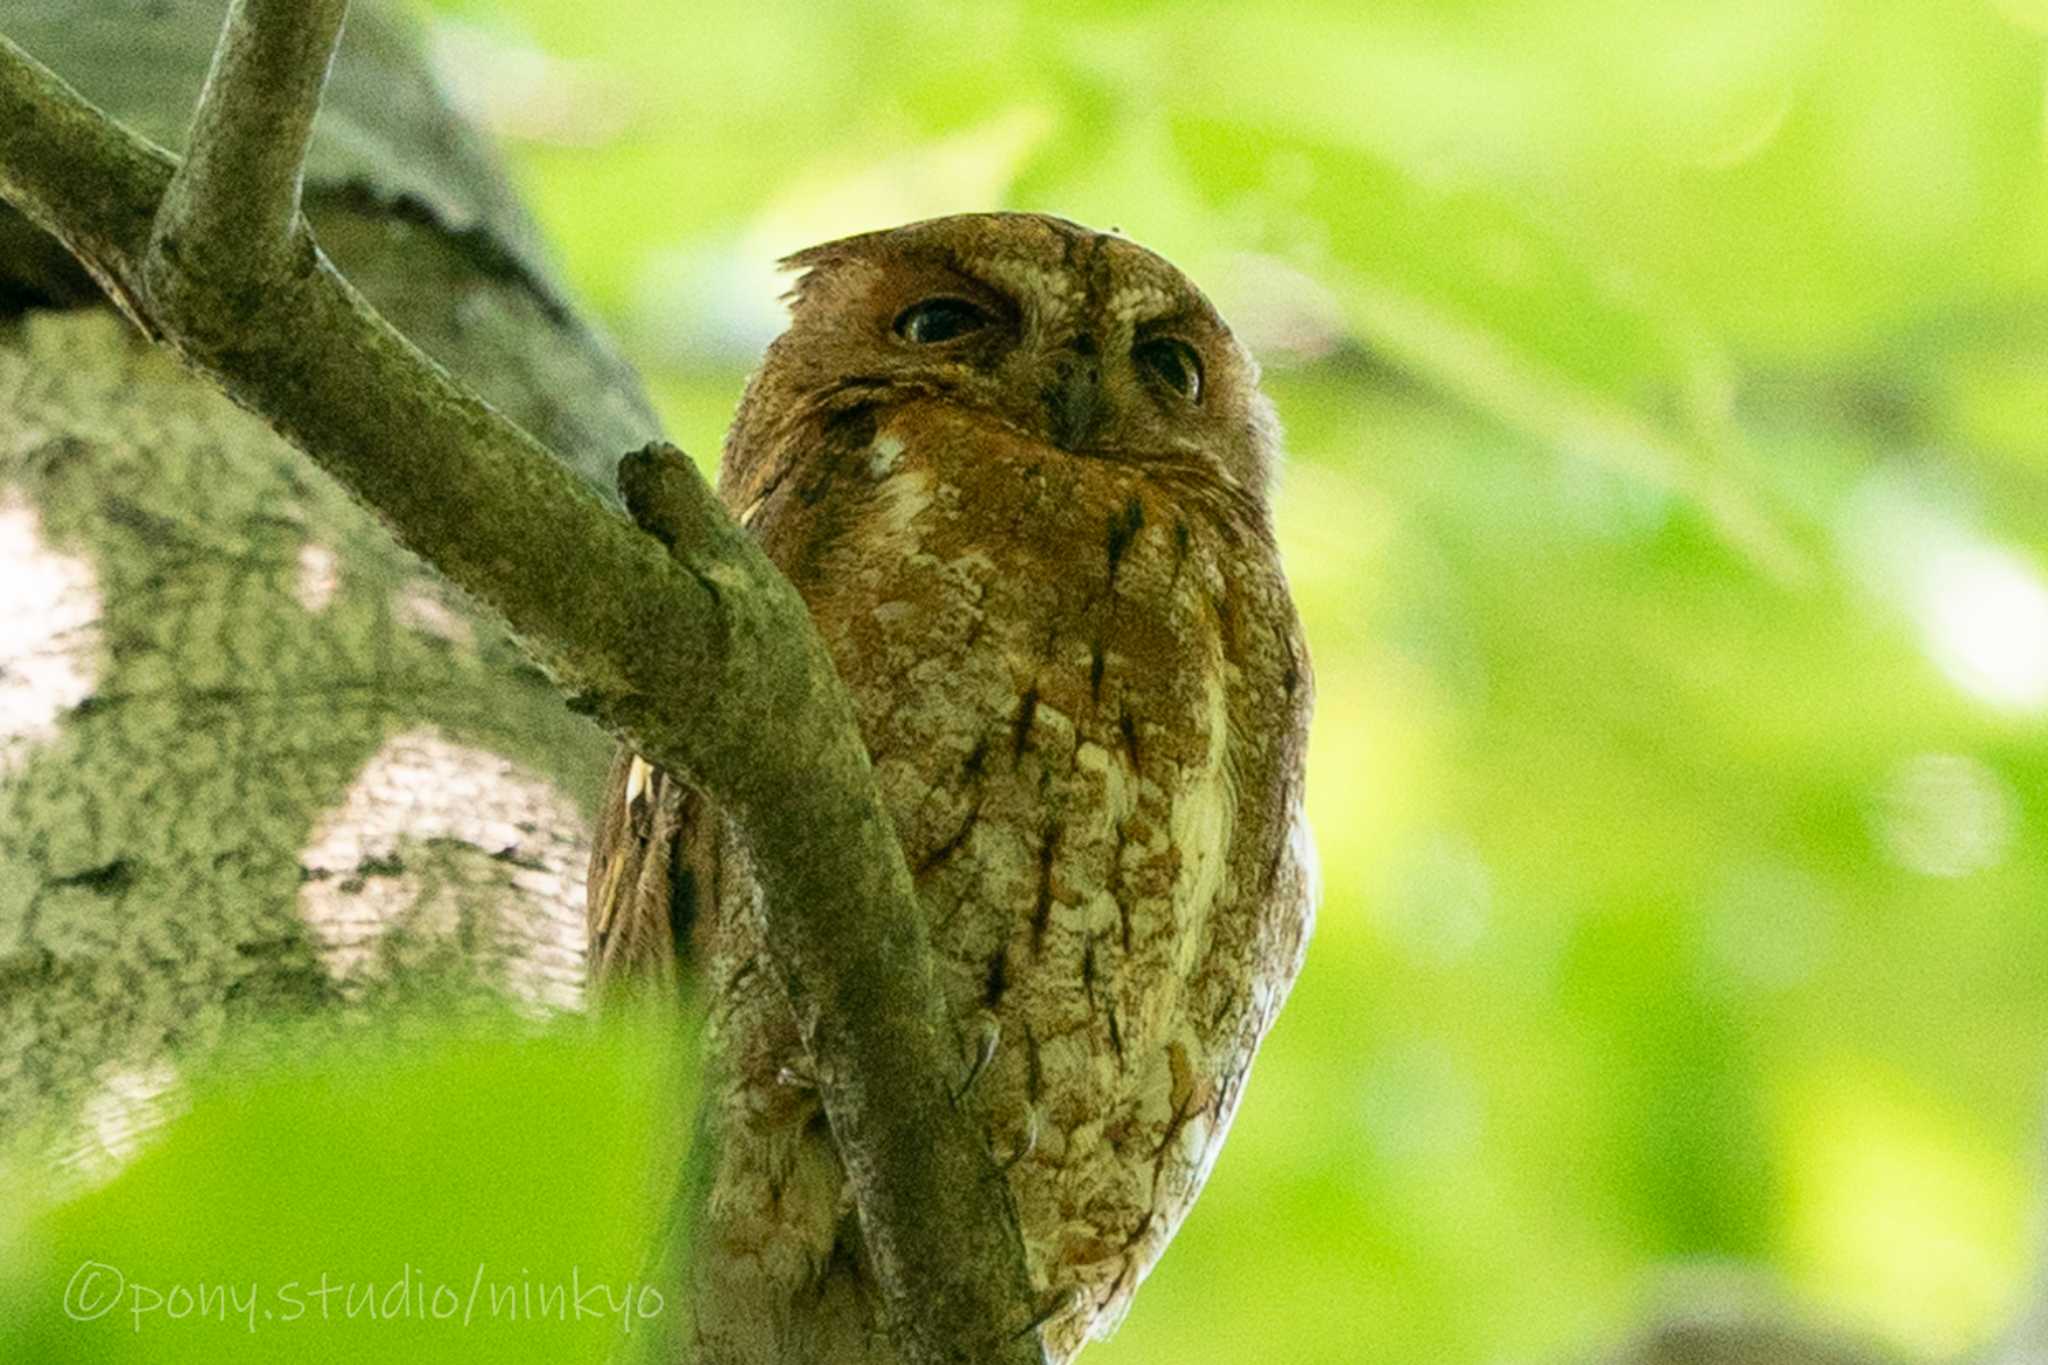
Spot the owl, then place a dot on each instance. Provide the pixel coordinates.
(1019, 472)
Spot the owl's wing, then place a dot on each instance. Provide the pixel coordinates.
(643, 890)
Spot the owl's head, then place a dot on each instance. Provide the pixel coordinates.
(1080, 339)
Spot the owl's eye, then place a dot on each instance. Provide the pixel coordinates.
(940, 319)
(1173, 363)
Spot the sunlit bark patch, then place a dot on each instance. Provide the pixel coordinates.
(127, 1104)
(439, 843)
(318, 579)
(421, 609)
(49, 631)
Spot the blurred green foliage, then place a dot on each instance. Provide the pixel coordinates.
(1667, 503)
(1666, 403)
(479, 1189)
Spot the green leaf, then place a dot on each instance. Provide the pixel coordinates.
(457, 1196)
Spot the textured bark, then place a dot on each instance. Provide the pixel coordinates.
(252, 753)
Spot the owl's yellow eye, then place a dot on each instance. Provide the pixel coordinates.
(1173, 363)
(940, 319)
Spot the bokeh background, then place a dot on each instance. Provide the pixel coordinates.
(1667, 390)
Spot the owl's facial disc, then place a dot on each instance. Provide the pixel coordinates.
(1081, 339)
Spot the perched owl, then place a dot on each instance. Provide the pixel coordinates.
(1018, 470)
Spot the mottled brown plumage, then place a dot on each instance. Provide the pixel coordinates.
(1018, 470)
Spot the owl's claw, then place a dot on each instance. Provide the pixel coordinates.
(989, 1032)
(1027, 1146)
(795, 1079)
(1057, 1304)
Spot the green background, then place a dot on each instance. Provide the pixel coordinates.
(1667, 391)
(1668, 430)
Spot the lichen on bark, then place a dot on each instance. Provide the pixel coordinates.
(254, 640)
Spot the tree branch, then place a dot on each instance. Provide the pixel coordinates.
(687, 643)
(232, 209)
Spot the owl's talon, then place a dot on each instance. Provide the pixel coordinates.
(1027, 1146)
(1058, 1304)
(989, 1032)
(795, 1079)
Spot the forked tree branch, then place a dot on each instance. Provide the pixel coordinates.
(680, 637)
(233, 205)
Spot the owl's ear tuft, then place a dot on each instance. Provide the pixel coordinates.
(812, 257)
(817, 263)
(822, 258)
(808, 266)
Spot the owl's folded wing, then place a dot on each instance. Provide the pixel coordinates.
(642, 894)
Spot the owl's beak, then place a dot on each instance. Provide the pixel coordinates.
(1074, 408)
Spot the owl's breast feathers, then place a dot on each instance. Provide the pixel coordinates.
(1086, 694)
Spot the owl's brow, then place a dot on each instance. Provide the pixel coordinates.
(949, 258)
(1084, 254)
(1187, 319)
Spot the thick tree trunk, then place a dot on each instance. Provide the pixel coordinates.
(252, 754)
